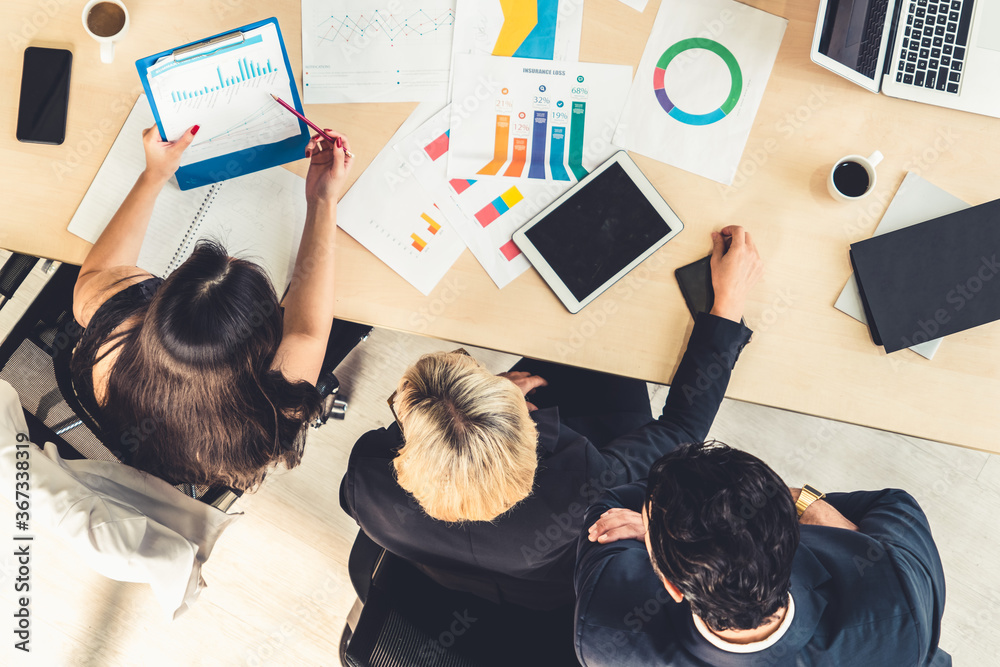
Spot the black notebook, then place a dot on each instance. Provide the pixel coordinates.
(933, 279)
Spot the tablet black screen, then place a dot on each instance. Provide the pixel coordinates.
(598, 231)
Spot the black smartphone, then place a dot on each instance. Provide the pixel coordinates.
(695, 281)
(41, 112)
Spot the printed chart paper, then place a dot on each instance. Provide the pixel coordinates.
(257, 216)
(355, 51)
(227, 93)
(544, 29)
(699, 85)
(523, 118)
(392, 215)
(484, 213)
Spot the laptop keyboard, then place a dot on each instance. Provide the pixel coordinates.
(935, 44)
(868, 60)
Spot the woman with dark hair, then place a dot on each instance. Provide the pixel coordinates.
(200, 378)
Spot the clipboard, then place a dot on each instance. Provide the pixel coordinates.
(240, 162)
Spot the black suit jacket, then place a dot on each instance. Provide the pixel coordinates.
(526, 556)
(872, 597)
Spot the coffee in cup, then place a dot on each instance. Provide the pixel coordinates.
(107, 22)
(106, 19)
(853, 176)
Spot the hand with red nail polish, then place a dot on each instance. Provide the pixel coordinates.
(328, 168)
(163, 157)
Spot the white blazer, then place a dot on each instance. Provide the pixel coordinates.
(123, 523)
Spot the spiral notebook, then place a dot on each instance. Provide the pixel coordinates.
(258, 216)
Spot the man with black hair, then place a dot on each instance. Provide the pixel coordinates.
(505, 524)
(714, 562)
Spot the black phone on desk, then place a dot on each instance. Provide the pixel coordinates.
(41, 111)
(695, 281)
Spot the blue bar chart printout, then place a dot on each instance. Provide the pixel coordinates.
(226, 93)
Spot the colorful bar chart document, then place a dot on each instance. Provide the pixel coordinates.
(523, 118)
(358, 51)
(227, 93)
(485, 212)
(544, 29)
(699, 85)
(390, 213)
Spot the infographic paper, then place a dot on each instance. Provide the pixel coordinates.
(227, 93)
(699, 85)
(356, 51)
(544, 29)
(485, 213)
(391, 214)
(524, 118)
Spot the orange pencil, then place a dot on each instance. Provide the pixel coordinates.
(309, 123)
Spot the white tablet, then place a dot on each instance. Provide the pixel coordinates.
(598, 231)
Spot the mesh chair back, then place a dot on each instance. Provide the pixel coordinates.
(409, 619)
(14, 271)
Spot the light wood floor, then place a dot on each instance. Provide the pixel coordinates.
(278, 590)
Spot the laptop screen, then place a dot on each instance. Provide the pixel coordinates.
(852, 34)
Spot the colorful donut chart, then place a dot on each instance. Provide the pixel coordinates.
(734, 72)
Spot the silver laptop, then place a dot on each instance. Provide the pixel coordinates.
(942, 52)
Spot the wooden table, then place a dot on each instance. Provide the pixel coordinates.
(806, 356)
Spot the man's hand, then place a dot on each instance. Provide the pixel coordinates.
(328, 168)
(734, 271)
(527, 383)
(163, 157)
(822, 513)
(617, 524)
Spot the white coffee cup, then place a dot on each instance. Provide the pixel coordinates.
(853, 176)
(106, 21)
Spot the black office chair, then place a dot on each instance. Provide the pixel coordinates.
(12, 274)
(403, 618)
(26, 355)
(34, 359)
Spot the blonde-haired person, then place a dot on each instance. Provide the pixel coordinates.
(482, 481)
(470, 447)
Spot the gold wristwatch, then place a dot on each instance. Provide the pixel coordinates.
(807, 497)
